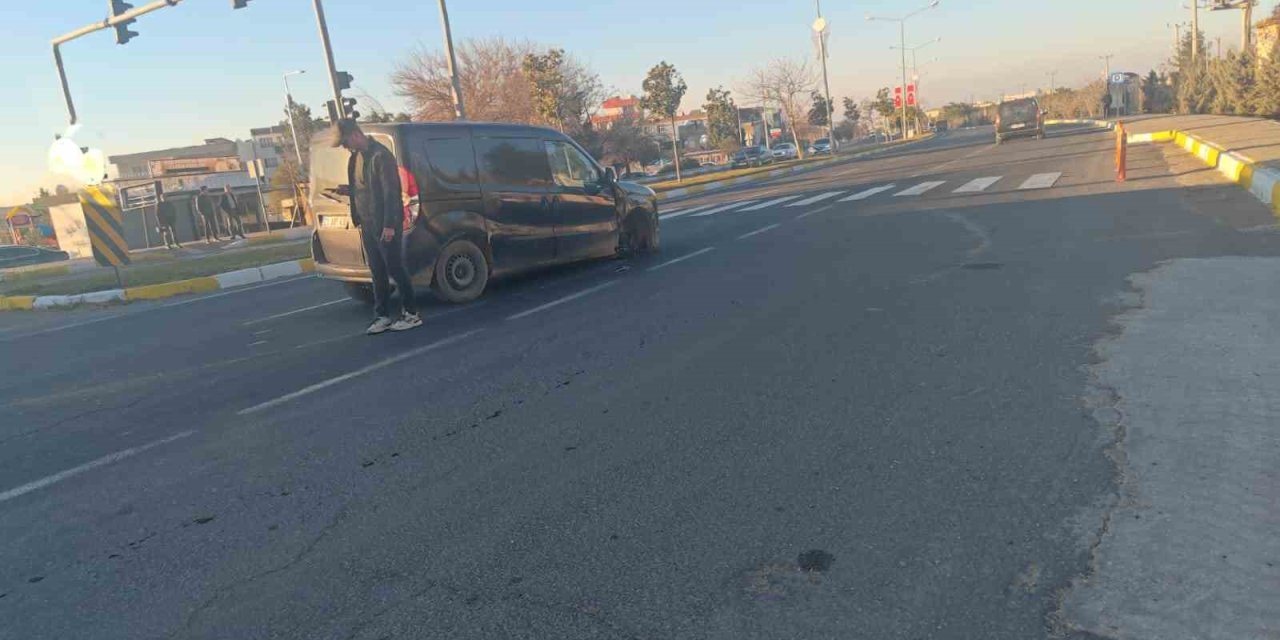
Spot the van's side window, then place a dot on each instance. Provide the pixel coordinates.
(443, 165)
(569, 167)
(513, 162)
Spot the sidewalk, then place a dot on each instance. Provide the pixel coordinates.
(193, 250)
(1255, 140)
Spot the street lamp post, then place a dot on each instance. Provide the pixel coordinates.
(820, 27)
(459, 111)
(915, 76)
(1106, 79)
(1053, 77)
(902, 42)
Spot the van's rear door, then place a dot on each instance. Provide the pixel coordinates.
(331, 201)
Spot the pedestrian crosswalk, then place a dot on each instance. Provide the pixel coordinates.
(913, 189)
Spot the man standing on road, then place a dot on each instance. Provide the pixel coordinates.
(377, 210)
(230, 207)
(204, 206)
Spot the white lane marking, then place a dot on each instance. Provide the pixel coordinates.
(919, 189)
(684, 212)
(813, 211)
(232, 292)
(254, 344)
(680, 259)
(263, 332)
(863, 195)
(412, 353)
(568, 298)
(769, 203)
(978, 184)
(726, 207)
(104, 460)
(295, 311)
(1041, 180)
(760, 230)
(818, 198)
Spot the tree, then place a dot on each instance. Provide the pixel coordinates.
(542, 71)
(883, 105)
(626, 143)
(1232, 78)
(386, 116)
(819, 111)
(851, 110)
(1156, 96)
(493, 85)
(722, 120)
(788, 83)
(664, 88)
(1265, 101)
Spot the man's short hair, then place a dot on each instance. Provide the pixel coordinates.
(343, 128)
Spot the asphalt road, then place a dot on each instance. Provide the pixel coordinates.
(855, 413)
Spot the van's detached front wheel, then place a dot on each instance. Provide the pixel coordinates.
(462, 272)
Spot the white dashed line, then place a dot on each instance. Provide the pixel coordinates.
(818, 198)
(760, 230)
(254, 344)
(684, 212)
(722, 208)
(863, 195)
(978, 184)
(296, 311)
(412, 353)
(680, 259)
(1041, 181)
(104, 460)
(769, 203)
(563, 300)
(919, 189)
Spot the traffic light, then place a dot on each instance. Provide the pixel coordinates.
(344, 80)
(123, 34)
(239, 4)
(349, 108)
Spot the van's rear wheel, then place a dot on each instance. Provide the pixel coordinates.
(462, 272)
(362, 293)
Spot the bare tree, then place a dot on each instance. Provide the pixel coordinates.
(787, 83)
(493, 85)
(497, 86)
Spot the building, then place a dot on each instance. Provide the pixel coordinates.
(616, 108)
(1266, 36)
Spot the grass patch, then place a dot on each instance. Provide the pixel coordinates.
(145, 273)
(705, 178)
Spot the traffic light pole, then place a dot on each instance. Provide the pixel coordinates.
(109, 22)
(328, 59)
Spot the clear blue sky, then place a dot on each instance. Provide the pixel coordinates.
(203, 70)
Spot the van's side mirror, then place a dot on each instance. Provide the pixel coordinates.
(610, 175)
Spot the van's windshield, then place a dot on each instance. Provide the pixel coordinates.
(1018, 111)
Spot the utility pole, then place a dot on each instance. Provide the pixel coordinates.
(459, 111)
(820, 27)
(1246, 11)
(1195, 31)
(1106, 79)
(1053, 76)
(328, 59)
(902, 41)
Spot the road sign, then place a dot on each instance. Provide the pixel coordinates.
(1117, 78)
(105, 222)
(141, 195)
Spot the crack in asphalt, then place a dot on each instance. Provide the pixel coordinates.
(72, 418)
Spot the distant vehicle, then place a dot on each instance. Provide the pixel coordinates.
(821, 145)
(940, 126)
(493, 200)
(785, 151)
(751, 157)
(20, 255)
(1021, 118)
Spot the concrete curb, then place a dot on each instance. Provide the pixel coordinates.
(1259, 180)
(228, 280)
(686, 192)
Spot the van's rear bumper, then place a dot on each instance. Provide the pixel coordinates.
(345, 273)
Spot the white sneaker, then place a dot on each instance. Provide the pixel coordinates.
(380, 324)
(406, 322)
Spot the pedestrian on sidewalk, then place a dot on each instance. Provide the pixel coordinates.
(167, 218)
(204, 206)
(376, 208)
(230, 207)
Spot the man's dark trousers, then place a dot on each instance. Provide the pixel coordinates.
(386, 259)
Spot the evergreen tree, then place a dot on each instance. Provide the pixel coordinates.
(1265, 100)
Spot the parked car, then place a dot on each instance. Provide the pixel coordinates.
(751, 157)
(1019, 118)
(821, 145)
(493, 200)
(785, 151)
(20, 255)
(686, 164)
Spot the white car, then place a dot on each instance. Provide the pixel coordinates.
(785, 151)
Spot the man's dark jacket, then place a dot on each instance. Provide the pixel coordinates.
(377, 206)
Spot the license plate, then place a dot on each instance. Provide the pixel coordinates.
(1020, 125)
(334, 222)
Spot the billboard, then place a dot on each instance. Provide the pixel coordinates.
(191, 166)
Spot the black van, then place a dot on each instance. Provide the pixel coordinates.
(1019, 118)
(481, 200)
